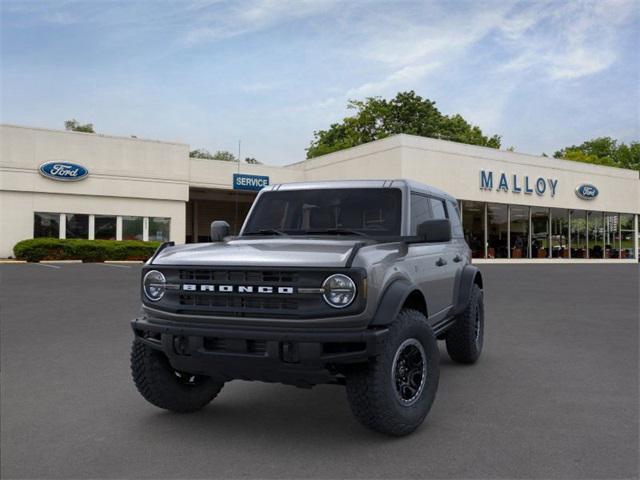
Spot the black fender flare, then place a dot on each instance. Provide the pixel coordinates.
(391, 302)
(468, 277)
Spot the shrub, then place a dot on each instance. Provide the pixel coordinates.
(37, 249)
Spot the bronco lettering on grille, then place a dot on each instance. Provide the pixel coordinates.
(193, 287)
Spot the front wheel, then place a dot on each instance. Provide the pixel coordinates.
(394, 393)
(163, 386)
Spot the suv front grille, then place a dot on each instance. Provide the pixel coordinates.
(243, 303)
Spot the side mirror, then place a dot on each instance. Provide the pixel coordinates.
(219, 230)
(435, 231)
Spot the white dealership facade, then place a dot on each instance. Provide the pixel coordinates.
(515, 207)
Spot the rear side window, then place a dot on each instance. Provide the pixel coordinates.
(420, 211)
(438, 209)
(456, 224)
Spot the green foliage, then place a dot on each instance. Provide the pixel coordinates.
(604, 151)
(377, 118)
(201, 153)
(219, 155)
(75, 126)
(36, 249)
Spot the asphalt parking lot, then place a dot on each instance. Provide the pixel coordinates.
(555, 394)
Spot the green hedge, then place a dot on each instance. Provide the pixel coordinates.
(37, 249)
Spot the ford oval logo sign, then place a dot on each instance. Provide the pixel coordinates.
(64, 171)
(586, 191)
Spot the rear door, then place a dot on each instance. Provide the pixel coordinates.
(430, 262)
(450, 255)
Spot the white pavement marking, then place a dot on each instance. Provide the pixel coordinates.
(46, 265)
(113, 265)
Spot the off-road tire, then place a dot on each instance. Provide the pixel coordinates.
(159, 384)
(464, 345)
(372, 392)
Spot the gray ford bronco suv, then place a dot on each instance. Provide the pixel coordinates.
(346, 282)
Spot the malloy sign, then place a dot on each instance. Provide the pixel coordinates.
(515, 183)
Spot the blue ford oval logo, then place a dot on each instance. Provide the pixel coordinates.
(586, 191)
(64, 171)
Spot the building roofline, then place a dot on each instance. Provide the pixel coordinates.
(477, 151)
(117, 137)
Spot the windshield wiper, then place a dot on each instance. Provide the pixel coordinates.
(268, 231)
(337, 231)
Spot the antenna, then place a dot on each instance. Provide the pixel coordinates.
(236, 228)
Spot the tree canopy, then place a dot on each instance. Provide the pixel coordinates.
(223, 155)
(604, 151)
(377, 118)
(74, 126)
(219, 155)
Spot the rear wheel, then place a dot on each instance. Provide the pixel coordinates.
(163, 386)
(394, 393)
(466, 337)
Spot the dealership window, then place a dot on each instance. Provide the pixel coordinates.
(105, 227)
(159, 229)
(519, 231)
(46, 225)
(595, 236)
(559, 233)
(77, 226)
(497, 228)
(626, 236)
(611, 235)
(473, 220)
(539, 232)
(578, 234)
(132, 228)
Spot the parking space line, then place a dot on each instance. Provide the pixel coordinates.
(46, 265)
(114, 265)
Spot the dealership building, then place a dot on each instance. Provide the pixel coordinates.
(515, 207)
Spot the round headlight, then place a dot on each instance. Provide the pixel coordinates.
(339, 290)
(153, 285)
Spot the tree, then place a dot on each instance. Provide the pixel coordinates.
(219, 155)
(225, 156)
(252, 161)
(377, 118)
(75, 126)
(604, 151)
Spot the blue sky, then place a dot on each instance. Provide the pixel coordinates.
(542, 74)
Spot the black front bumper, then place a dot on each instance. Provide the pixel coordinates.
(298, 357)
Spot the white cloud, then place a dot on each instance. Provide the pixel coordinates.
(564, 41)
(405, 77)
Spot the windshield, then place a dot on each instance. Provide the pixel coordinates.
(355, 211)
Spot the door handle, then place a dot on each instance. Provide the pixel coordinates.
(441, 262)
(457, 259)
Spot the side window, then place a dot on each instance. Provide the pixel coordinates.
(420, 211)
(456, 224)
(438, 208)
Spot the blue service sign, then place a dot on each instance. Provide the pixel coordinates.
(243, 181)
(586, 191)
(63, 171)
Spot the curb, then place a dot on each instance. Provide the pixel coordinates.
(124, 261)
(60, 261)
(7, 261)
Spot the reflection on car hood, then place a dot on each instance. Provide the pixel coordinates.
(281, 252)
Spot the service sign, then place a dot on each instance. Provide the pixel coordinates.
(63, 171)
(586, 191)
(254, 183)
